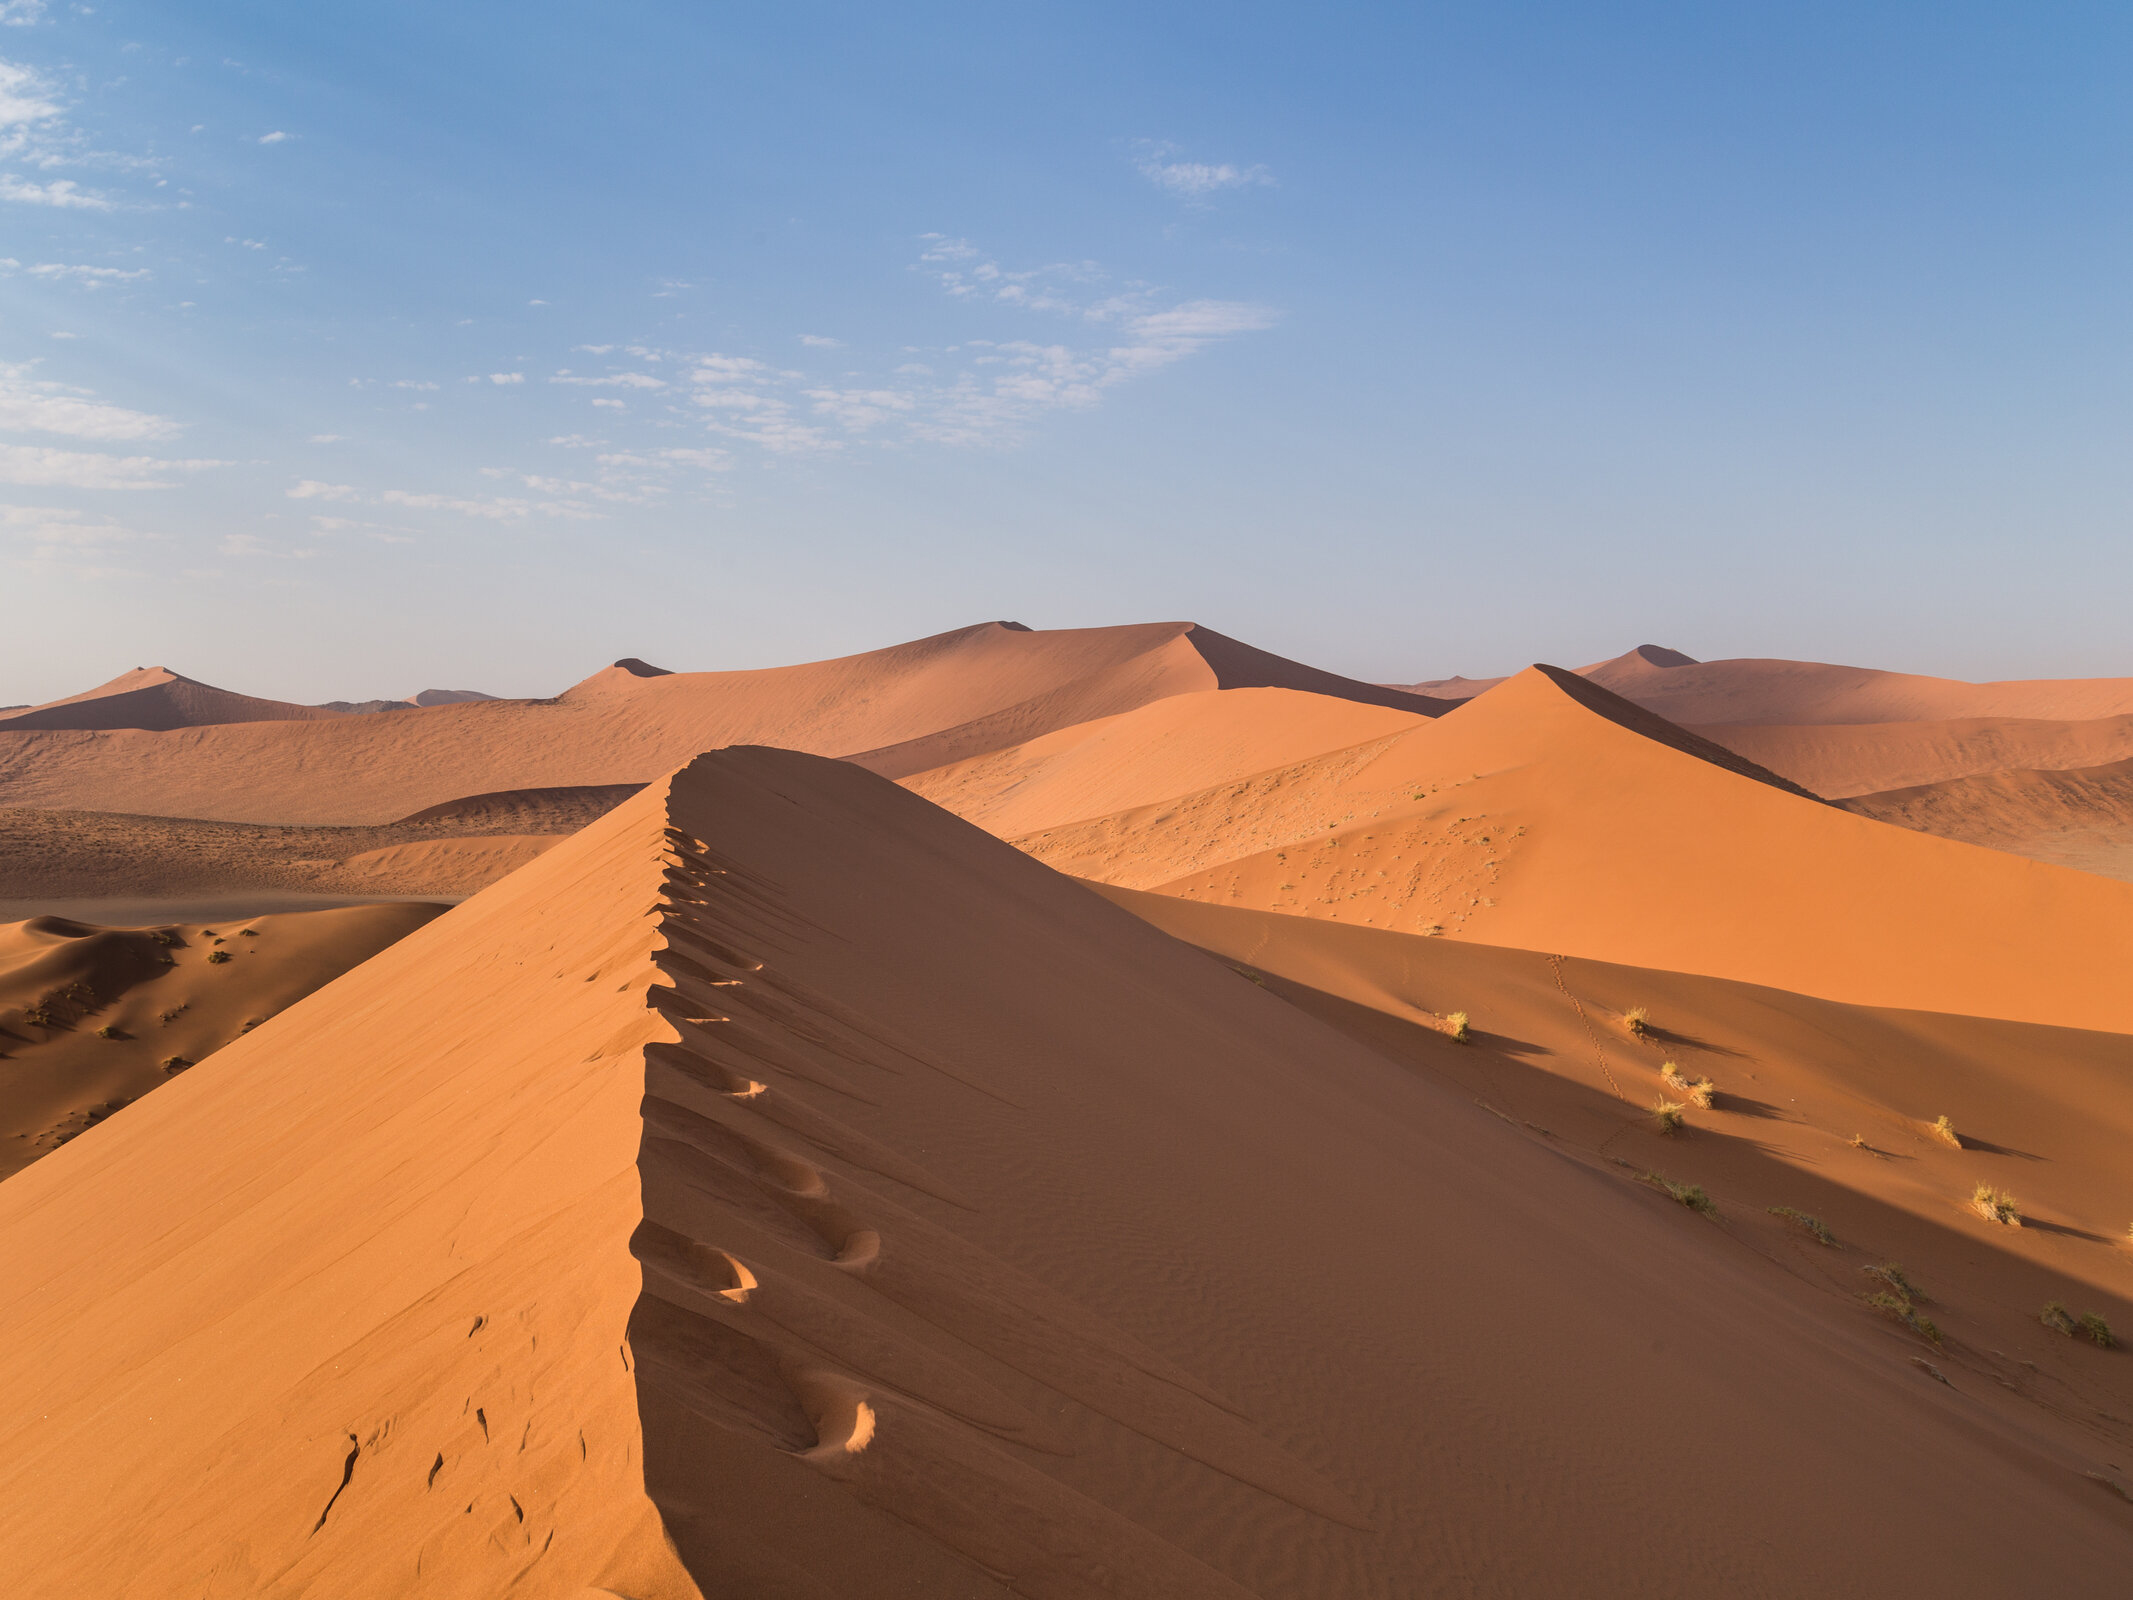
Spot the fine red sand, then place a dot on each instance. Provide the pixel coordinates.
(1549, 814)
(899, 711)
(781, 1188)
(2082, 818)
(157, 699)
(1843, 761)
(93, 1018)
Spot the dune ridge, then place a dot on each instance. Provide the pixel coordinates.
(713, 1232)
(155, 699)
(899, 710)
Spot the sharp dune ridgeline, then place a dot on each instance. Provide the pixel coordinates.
(820, 1197)
(1102, 1114)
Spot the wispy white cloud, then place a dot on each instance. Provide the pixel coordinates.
(252, 544)
(276, 137)
(37, 407)
(92, 277)
(312, 489)
(61, 539)
(1195, 180)
(821, 341)
(507, 377)
(25, 97)
(63, 193)
(616, 380)
(40, 467)
(328, 438)
(21, 13)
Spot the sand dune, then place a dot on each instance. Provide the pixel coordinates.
(417, 700)
(1173, 746)
(1843, 761)
(93, 1018)
(1685, 690)
(2082, 818)
(1549, 814)
(158, 700)
(450, 849)
(780, 1188)
(908, 708)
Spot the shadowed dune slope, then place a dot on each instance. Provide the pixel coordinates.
(783, 1189)
(1173, 746)
(2082, 818)
(1839, 762)
(156, 699)
(1540, 817)
(92, 1018)
(959, 693)
(1693, 692)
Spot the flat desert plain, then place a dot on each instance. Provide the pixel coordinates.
(1107, 1112)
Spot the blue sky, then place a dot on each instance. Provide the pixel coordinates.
(350, 350)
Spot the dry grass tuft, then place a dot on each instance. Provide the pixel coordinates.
(1944, 1131)
(1813, 1225)
(1638, 1021)
(1458, 1027)
(1701, 1091)
(1687, 1194)
(2057, 1318)
(1996, 1205)
(1667, 1114)
(2097, 1330)
(1898, 1299)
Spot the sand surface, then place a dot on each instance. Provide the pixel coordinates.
(899, 710)
(782, 1188)
(1547, 814)
(2082, 818)
(158, 699)
(93, 1017)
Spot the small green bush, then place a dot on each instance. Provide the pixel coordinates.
(1688, 1194)
(215, 958)
(2057, 1318)
(1812, 1224)
(2097, 1330)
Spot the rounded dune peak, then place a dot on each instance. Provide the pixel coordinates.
(157, 700)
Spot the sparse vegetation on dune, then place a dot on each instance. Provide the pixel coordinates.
(1667, 1114)
(1944, 1131)
(2097, 1331)
(1687, 1194)
(1701, 1092)
(1898, 1300)
(1813, 1225)
(1458, 1026)
(1996, 1205)
(2089, 1325)
(1638, 1020)
(2057, 1318)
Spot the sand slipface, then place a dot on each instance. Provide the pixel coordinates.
(1549, 814)
(782, 1188)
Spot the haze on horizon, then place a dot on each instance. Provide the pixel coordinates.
(346, 352)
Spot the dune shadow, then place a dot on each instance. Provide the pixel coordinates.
(1504, 1044)
(1999, 1149)
(1743, 1106)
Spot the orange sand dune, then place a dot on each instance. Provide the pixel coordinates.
(1550, 814)
(781, 1189)
(1844, 761)
(957, 694)
(1685, 690)
(157, 699)
(93, 1018)
(2082, 818)
(1173, 746)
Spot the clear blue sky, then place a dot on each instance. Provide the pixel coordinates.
(353, 349)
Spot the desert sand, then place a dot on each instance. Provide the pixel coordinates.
(158, 700)
(1153, 1120)
(898, 710)
(677, 1217)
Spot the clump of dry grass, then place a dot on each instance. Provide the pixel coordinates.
(2057, 1318)
(1898, 1299)
(1701, 1091)
(1687, 1194)
(2089, 1325)
(1996, 1205)
(1813, 1225)
(1944, 1131)
(1667, 1114)
(1459, 1028)
(2097, 1330)
(215, 958)
(1638, 1021)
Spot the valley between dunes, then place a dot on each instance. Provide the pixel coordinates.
(1107, 1112)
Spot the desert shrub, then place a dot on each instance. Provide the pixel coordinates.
(2057, 1318)
(247, 933)
(2096, 1330)
(1896, 1307)
(1996, 1205)
(1702, 1092)
(1668, 1115)
(1638, 1021)
(1812, 1224)
(176, 1063)
(1944, 1131)
(1457, 1026)
(1893, 1275)
(107, 1031)
(215, 958)
(1687, 1194)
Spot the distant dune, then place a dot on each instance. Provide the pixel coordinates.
(425, 697)
(781, 1188)
(1843, 761)
(1549, 814)
(157, 700)
(899, 710)
(2081, 818)
(1685, 690)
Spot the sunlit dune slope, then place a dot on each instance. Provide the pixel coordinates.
(2082, 818)
(157, 699)
(1173, 746)
(782, 1189)
(93, 1018)
(956, 695)
(1843, 761)
(1685, 690)
(1548, 814)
